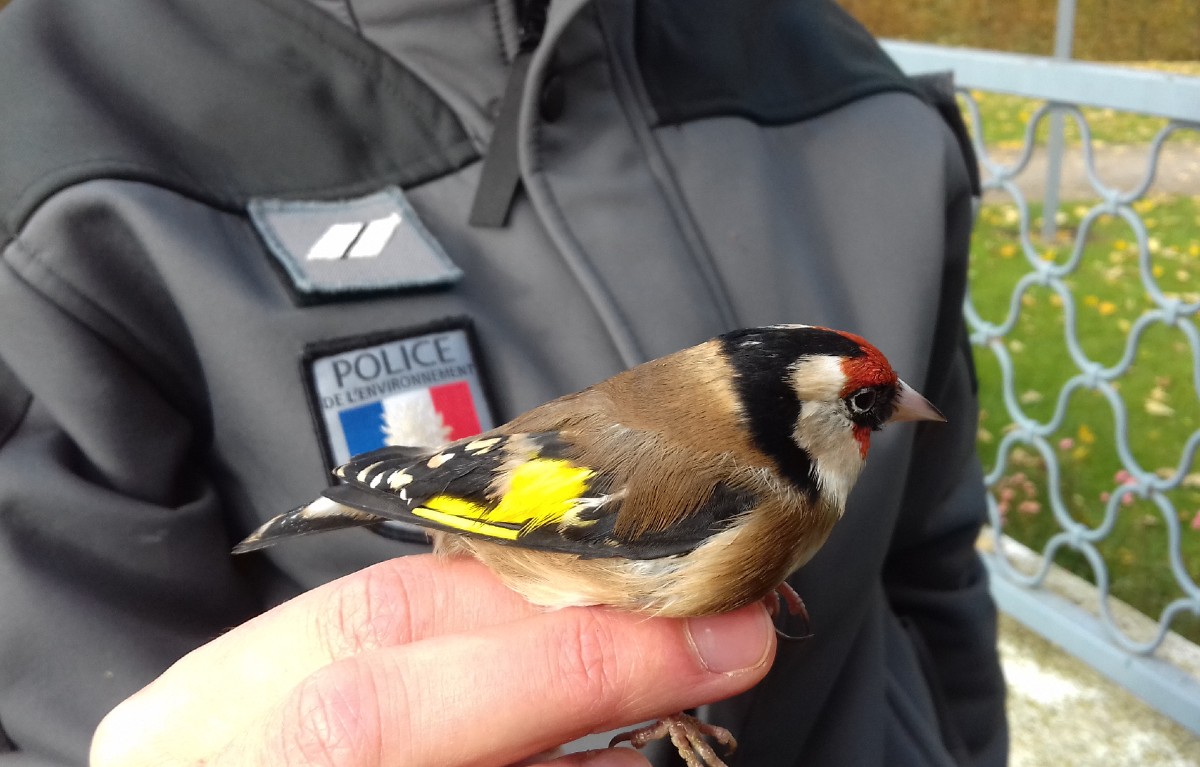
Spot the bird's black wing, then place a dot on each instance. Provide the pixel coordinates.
(527, 490)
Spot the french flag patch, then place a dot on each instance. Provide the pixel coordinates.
(425, 417)
(418, 390)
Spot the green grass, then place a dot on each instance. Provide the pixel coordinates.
(1161, 397)
(1108, 294)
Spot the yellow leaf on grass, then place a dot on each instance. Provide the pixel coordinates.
(1159, 409)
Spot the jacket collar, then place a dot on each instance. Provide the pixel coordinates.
(461, 49)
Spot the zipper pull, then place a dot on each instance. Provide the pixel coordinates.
(501, 173)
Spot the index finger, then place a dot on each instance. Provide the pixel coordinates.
(242, 674)
(494, 696)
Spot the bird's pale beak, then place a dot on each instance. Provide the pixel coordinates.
(911, 406)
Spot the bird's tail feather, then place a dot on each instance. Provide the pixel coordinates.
(317, 517)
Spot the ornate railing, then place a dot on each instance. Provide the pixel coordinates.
(1143, 654)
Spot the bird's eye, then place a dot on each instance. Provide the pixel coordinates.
(862, 401)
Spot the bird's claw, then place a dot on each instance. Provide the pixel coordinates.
(795, 606)
(687, 733)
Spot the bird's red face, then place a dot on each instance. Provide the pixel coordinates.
(870, 387)
(812, 396)
(847, 390)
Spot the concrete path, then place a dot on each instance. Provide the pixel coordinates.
(1118, 166)
(1062, 713)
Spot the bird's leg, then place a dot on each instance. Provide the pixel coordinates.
(794, 603)
(687, 733)
(771, 602)
(795, 606)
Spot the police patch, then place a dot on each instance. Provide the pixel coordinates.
(418, 388)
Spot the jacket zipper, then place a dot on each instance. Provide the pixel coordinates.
(501, 174)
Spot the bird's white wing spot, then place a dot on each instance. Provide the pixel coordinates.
(323, 507)
(439, 460)
(399, 479)
(365, 474)
(482, 445)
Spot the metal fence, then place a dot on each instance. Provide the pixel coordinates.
(1092, 632)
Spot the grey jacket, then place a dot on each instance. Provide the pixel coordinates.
(234, 231)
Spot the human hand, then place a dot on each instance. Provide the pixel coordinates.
(422, 661)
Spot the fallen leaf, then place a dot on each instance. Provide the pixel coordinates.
(1159, 409)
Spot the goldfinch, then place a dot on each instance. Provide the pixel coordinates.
(693, 484)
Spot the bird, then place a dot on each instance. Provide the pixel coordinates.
(689, 485)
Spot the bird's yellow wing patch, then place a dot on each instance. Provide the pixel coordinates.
(539, 492)
(463, 515)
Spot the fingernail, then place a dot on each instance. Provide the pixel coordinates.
(732, 642)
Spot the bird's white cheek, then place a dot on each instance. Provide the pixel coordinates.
(828, 436)
(818, 378)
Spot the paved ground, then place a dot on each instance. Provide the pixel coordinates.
(1121, 167)
(1064, 714)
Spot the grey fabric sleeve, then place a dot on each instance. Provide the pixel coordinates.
(114, 559)
(933, 577)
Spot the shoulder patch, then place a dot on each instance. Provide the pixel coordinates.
(421, 387)
(368, 244)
